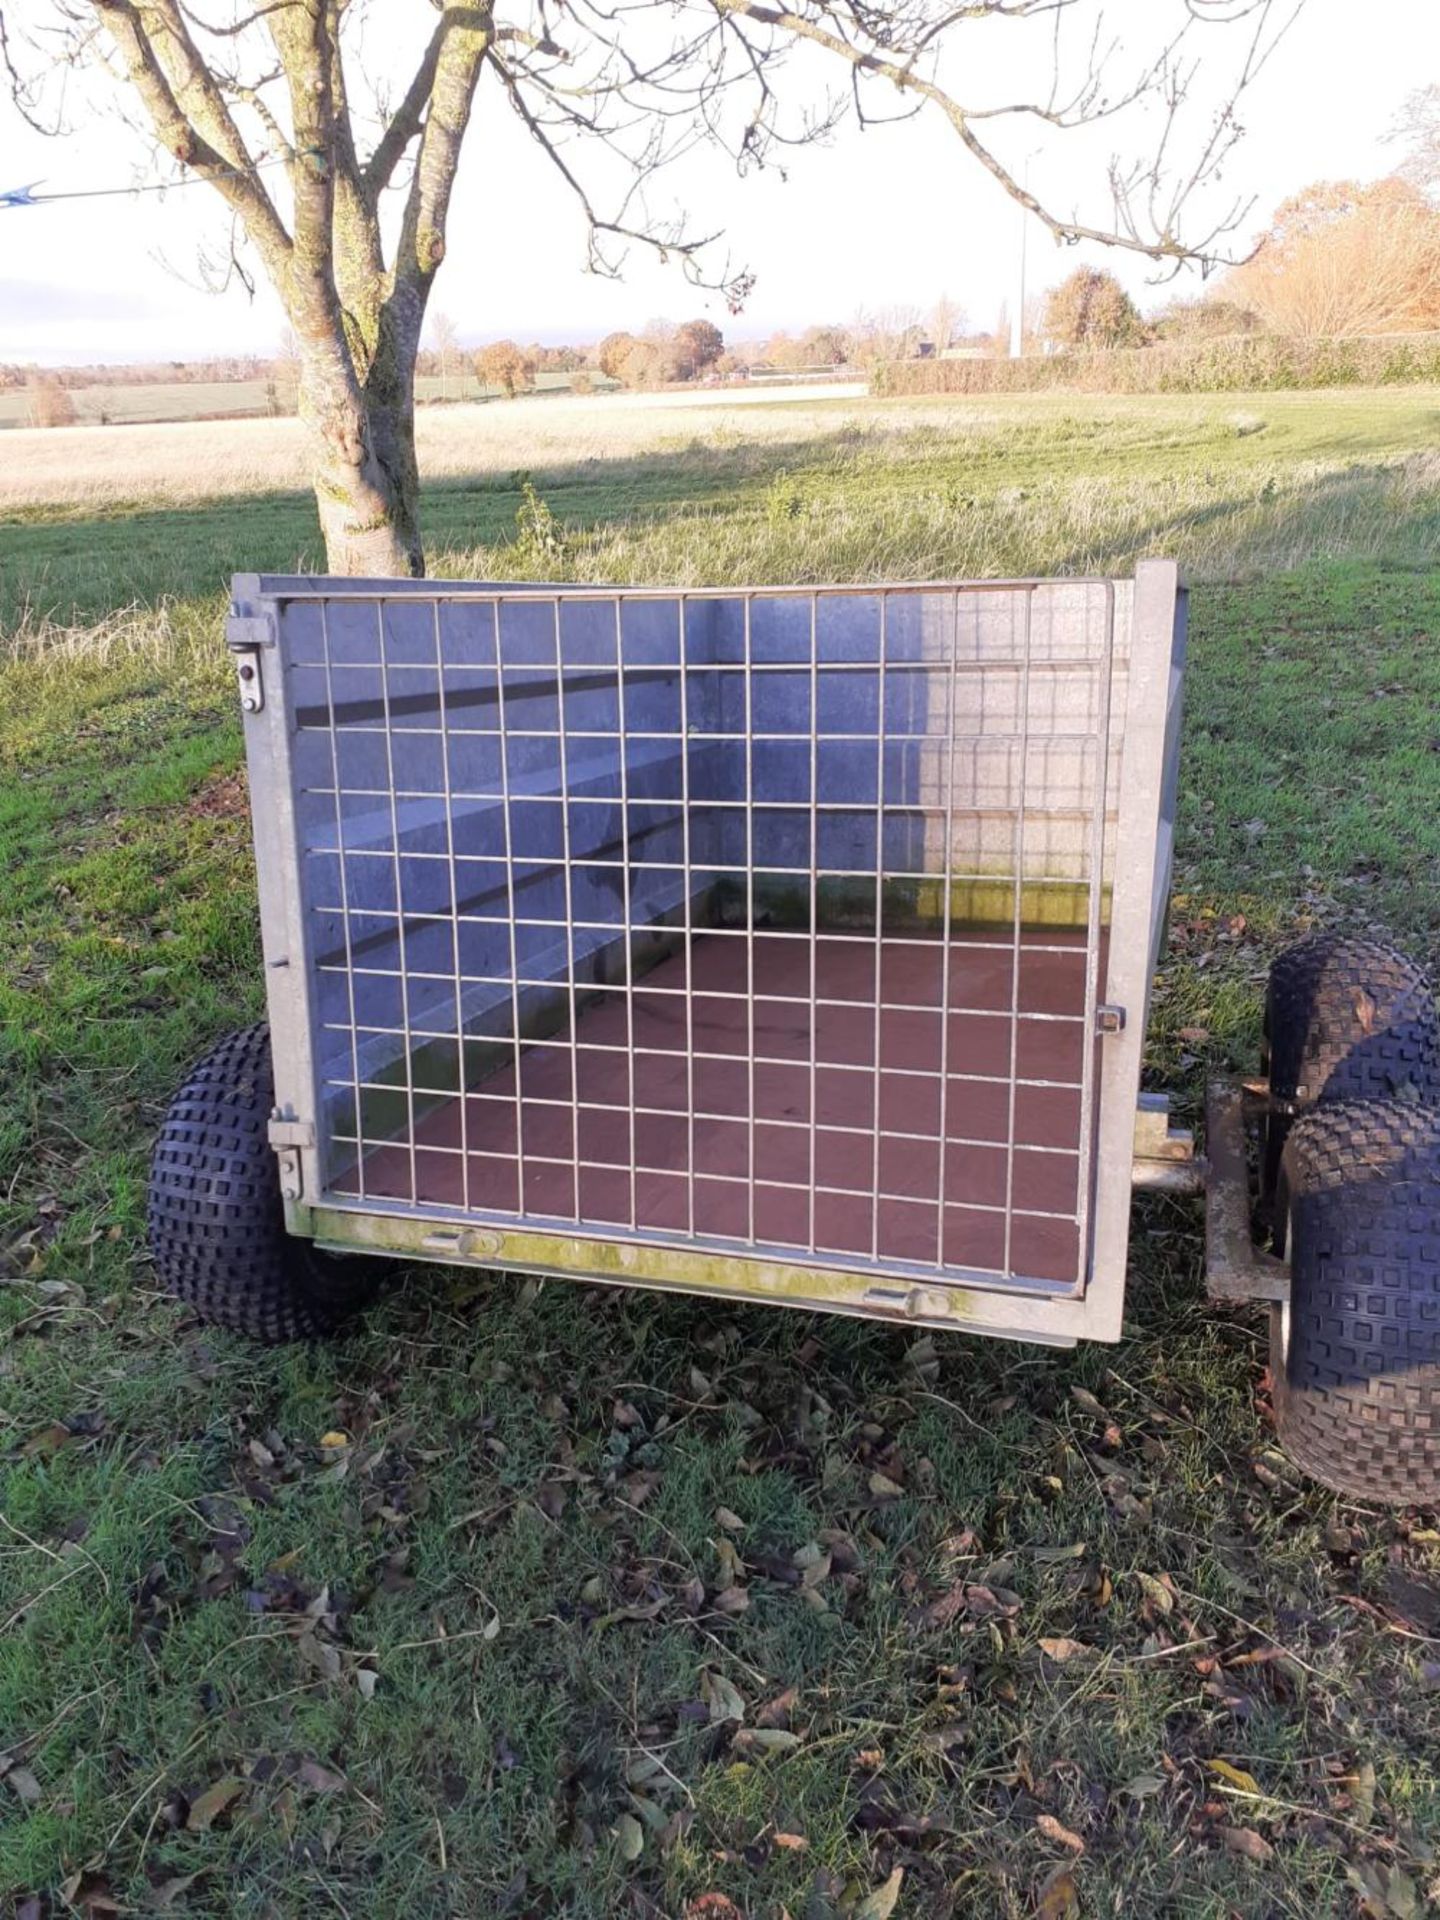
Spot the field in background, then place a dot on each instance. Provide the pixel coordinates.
(157, 401)
(550, 1601)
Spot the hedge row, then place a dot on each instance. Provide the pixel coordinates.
(1257, 363)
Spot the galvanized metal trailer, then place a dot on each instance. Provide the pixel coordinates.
(786, 944)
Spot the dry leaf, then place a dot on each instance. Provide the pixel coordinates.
(731, 1521)
(335, 1438)
(765, 1740)
(722, 1697)
(884, 1488)
(792, 1842)
(732, 1600)
(23, 1782)
(1156, 1592)
(1247, 1843)
(205, 1810)
(1063, 1650)
(320, 1779)
(1087, 1402)
(169, 1891)
(1062, 1836)
(1058, 1898)
(630, 1836)
(1236, 1776)
(1143, 1785)
(880, 1904)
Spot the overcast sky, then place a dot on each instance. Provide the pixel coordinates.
(894, 216)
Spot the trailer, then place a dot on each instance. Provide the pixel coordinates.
(780, 944)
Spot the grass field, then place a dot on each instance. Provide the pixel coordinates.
(155, 402)
(542, 1600)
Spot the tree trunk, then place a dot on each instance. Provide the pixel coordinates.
(366, 480)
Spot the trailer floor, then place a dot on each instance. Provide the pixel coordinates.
(691, 1107)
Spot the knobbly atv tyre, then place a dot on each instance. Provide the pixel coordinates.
(215, 1218)
(1345, 1020)
(1355, 1354)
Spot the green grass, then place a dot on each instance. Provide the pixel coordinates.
(521, 1541)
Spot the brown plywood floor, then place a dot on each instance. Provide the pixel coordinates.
(897, 1161)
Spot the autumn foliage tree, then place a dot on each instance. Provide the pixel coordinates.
(341, 188)
(505, 365)
(1342, 259)
(1091, 309)
(698, 344)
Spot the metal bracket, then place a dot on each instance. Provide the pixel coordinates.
(247, 635)
(288, 1137)
(1165, 1156)
(1109, 1019)
(1235, 1268)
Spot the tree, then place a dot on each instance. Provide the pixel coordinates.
(50, 404)
(698, 345)
(503, 364)
(1092, 309)
(1418, 128)
(446, 339)
(1342, 259)
(612, 352)
(643, 365)
(268, 101)
(947, 319)
(826, 346)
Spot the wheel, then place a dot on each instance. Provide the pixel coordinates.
(1345, 1020)
(1355, 1353)
(214, 1215)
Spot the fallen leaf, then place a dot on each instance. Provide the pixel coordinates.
(776, 1712)
(206, 1810)
(1052, 1830)
(630, 1837)
(1087, 1402)
(721, 1696)
(1247, 1843)
(765, 1740)
(1362, 1795)
(731, 1521)
(1063, 1650)
(732, 1599)
(791, 1842)
(880, 1904)
(884, 1488)
(1058, 1899)
(1236, 1776)
(1156, 1592)
(335, 1438)
(23, 1782)
(320, 1779)
(169, 1891)
(1143, 1785)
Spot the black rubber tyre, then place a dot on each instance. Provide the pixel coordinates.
(1355, 1358)
(215, 1218)
(1345, 1020)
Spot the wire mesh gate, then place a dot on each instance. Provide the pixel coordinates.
(762, 925)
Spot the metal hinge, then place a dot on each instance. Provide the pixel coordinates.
(1109, 1019)
(288, 1137)
(247, 635)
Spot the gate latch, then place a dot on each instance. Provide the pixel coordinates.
(246, 635)
(287, 1137)
(1109, 1019)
